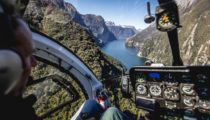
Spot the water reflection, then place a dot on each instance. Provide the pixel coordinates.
(128, 56)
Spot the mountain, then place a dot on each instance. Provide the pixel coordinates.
(140, 38)
(47, 17)
(121, 31)
(97, 26)
(94, 24)
(194, 37)
(185, 4)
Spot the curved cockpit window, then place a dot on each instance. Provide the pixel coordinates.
(110, 37)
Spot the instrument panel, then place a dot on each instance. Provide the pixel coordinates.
(180, 87)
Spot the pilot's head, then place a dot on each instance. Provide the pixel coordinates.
(15, 36)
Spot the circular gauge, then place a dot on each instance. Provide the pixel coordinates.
(141, 89)
(188, 90)
(204, 104)
(171, 94)
(189, 101)
(155, 90)
(167, 20)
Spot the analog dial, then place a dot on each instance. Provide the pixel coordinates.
(171, 94)
(155, 90)
(189, 101)
(188, 90)
(167, 21)
(141, 89)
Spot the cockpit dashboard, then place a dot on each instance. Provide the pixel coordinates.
(180, 88)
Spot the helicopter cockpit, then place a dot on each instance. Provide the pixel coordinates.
(63, 82)
(176, 90)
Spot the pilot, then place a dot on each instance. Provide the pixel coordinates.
(16, 61)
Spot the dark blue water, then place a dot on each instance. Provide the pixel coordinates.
(128, 56)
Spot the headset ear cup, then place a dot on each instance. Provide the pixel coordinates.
(10, 70)
(22, 60)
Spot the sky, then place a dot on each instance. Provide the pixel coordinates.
(121, 12)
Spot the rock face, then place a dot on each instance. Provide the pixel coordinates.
(121, 32)
(185, 4)
(98, 28)
(139, 39)
(94, 24)
(102, 31)
(193, 36)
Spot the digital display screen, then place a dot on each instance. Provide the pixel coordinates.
(144, 103)
(155, 75)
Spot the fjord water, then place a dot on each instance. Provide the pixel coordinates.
(128, 56)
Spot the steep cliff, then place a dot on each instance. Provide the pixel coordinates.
(98, 28)
(141, 37)
(121, 32)
(193, 36)
(94, 24)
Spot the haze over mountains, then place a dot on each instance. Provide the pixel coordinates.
(121, 31)
(101, 30)
(194, 37)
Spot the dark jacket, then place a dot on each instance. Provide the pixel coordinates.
(17, 108)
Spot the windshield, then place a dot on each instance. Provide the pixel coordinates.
(111, 37)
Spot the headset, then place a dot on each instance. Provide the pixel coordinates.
(11, 61)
